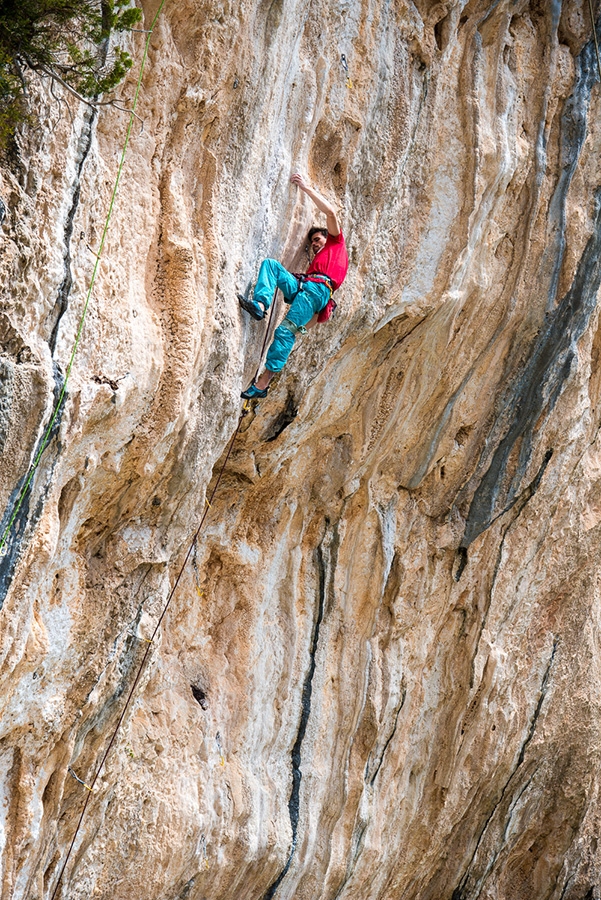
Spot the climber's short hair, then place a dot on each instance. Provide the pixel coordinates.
(313, 231)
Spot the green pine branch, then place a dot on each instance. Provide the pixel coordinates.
(65, 40)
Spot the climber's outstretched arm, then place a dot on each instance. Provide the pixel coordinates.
(320, 202)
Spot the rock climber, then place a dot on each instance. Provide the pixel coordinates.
(309, 294)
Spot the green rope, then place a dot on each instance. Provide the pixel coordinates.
(59, 402)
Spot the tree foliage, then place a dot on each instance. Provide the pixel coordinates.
(65, 40)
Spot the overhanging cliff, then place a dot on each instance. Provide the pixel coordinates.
(379, 676)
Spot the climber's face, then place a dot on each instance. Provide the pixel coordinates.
(318, 241)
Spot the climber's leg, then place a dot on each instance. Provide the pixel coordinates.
(272, 275)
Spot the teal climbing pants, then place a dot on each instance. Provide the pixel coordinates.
(311, 299)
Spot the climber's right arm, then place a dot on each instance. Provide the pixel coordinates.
(320, 202)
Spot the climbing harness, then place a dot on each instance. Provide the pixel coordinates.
(324, 314)
(316, 278)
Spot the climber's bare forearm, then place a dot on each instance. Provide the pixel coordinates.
(320, 202)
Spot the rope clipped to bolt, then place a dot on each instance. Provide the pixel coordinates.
(208, 505)
(149, 644)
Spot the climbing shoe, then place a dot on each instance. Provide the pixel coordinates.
(254, 393)
(251, 307)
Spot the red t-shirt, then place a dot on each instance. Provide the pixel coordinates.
(331, 260)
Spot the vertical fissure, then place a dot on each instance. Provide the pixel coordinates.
(370, 776)
(62, 298)
(538, 386)
(461, 891)
(297, 775)
(12, 546)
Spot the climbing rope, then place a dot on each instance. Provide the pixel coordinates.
(190, 552)
(91, 785)
(48, 432)
(208, 505)
(59, 402)
(267, 331)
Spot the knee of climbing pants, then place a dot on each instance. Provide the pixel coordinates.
(279, 351)
(311, 300)
(272, 274)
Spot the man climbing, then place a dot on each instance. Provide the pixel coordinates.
(309, 295)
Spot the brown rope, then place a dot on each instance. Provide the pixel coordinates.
(146, 654)
(267, 330)
(117, 728)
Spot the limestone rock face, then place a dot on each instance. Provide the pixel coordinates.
(379, 675)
